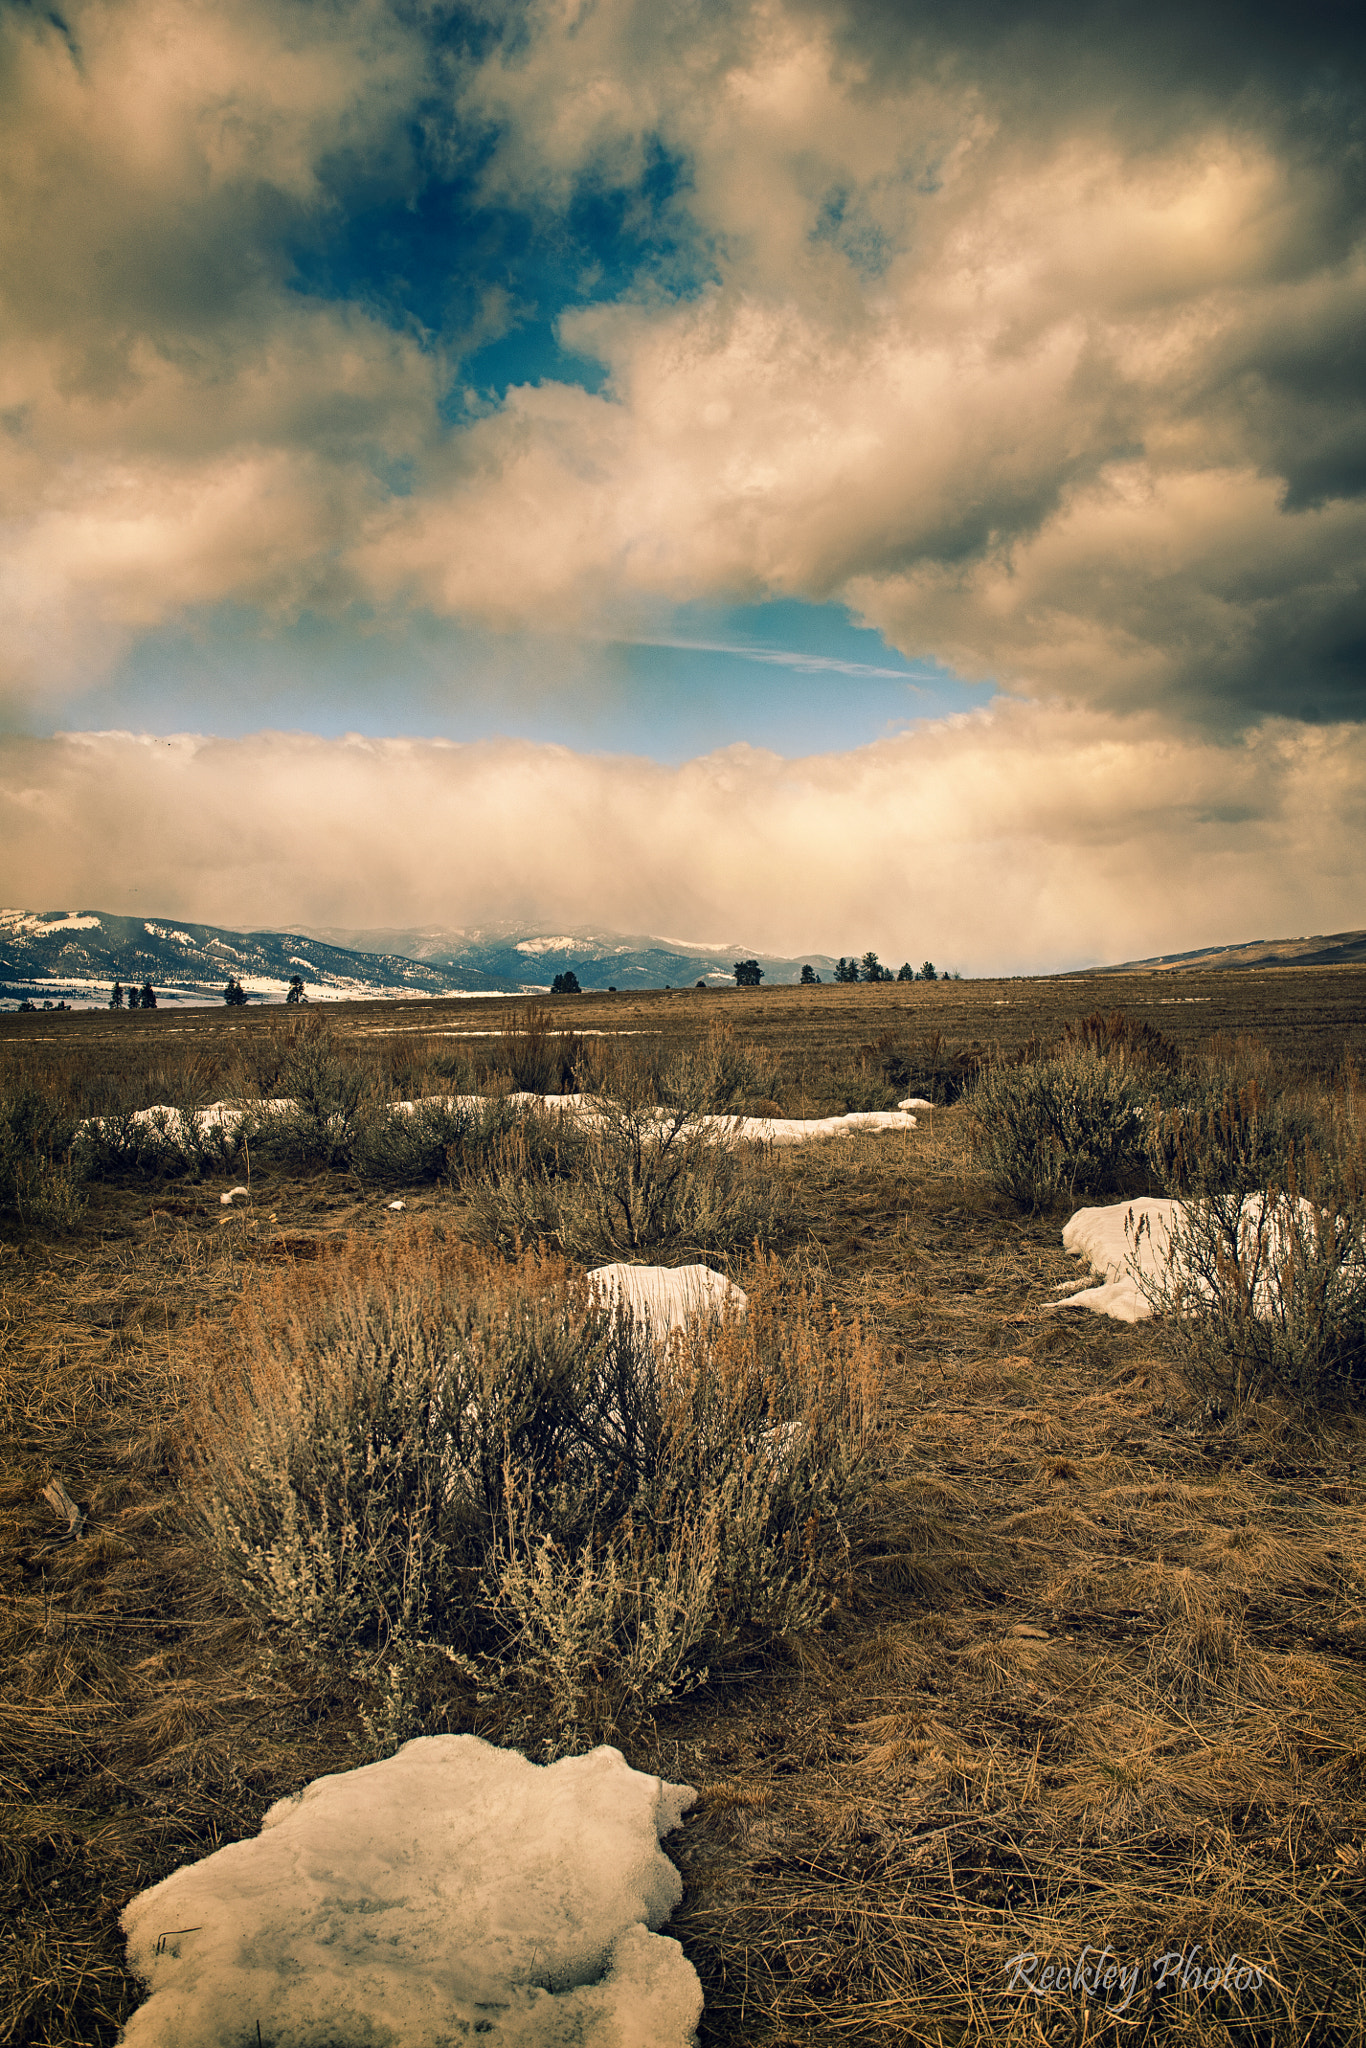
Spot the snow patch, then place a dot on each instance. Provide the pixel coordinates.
(1128, 1247)
(33, 923)
(665, 1297)
(161, 931)
(451, 1891)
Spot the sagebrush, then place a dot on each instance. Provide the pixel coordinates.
(441, 1475)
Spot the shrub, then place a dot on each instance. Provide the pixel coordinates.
(1057, 1127)
(1264, 1285)
(1115, 1036)
(1228, 1136)
(1266, 1293)
(40, 1171)
(171, 1141)
(449, 1138)
(645, 1180)
(438, 1473)
(329, 1097)
(541, 1060)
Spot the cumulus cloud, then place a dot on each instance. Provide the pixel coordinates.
(178, 426)
(1063, 395)
(1014, 839)
(1034, 336)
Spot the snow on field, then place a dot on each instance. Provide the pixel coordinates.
(763, 1130)
(1128, 1245)
(1121, 1243)
(664, 1297)
(452, 1892)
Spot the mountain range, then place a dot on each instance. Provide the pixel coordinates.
(73, 956)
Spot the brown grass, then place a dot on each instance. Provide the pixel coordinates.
(1099, 1678)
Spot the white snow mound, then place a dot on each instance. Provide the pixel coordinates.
(665, 1297)
(452, 1892)
(1121, 1243)
(180, 1127)
(1128, 1243)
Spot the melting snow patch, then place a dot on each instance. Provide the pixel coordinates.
(1128, 1247)
(664, 1297)
(452, 1891)
(397, 1205)
(232, 1194)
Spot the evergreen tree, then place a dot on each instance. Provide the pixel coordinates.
(927, 972)
(149, 996)
(116, 996)
(847, 970)
(135, 998)
(905, 972)
(234, 994)
(566, 984)
(748, 974)
(810, 978)
(296, 989)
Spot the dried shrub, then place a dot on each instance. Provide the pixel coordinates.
(642, 1180)
(540, 1060)
(1132, 1042)
(40, 1170)
(1058, 1127)
(1265, 1292)
(440, 1473)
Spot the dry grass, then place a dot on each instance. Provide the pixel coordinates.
(1099, 1678)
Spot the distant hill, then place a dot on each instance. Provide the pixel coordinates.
(1336, 949)
(74, 955)
(508, 956)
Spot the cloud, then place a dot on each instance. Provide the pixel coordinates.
(178, 426)
(1066, 396)
(1010, 840)
(1034, 337)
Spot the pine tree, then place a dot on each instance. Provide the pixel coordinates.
(116, 996)
(810, 978)
(149, 996)
(748, 974)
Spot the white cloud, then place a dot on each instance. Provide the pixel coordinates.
(1008, 840)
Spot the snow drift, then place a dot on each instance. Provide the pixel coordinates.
(666, 1297)
(1128, 1246)
(179, 1127)
(453, 1891)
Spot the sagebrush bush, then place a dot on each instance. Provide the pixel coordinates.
(449, 1137)
(1264, 1285)
(40, 1170)
(541, 1059)
(1058, 1127)
(439, 1471)
(1229, 1135)
(639, 1181)
(164, 1143)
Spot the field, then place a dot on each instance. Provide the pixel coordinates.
(1094, 1678)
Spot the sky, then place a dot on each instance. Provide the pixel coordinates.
(814, 473)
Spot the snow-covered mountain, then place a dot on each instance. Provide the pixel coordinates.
(508, 956)
(75, 955)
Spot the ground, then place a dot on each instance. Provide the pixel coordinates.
(1097, 1677)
